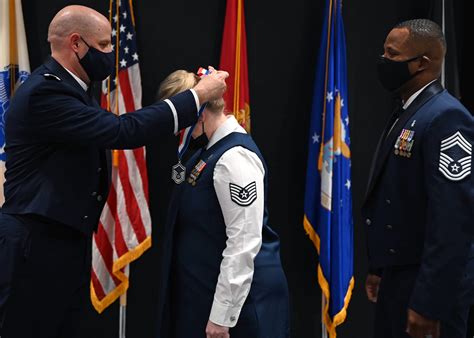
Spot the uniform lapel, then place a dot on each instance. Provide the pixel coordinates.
(380, 143)
(63, 74)
(385, 146)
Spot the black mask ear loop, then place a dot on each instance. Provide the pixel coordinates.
(78, 58)
(203, 131)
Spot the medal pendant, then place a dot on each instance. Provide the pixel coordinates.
(178, 173)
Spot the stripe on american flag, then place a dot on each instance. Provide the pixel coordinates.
(124, 231)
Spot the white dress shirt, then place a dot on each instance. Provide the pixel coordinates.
(414, 96)
(243, 224)
(407, 103)
(78, 79)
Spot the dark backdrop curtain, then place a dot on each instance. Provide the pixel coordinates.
(283, 37)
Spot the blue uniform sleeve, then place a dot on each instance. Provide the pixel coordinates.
(56, 115)
(447, 149)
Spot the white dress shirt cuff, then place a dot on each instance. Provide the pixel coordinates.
(224, 315)
(175, 114)
(196, 98)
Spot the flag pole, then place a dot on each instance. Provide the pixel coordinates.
(324, 331)
(123, 308)
(443, 27)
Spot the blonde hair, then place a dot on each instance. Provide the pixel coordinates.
(182, 80)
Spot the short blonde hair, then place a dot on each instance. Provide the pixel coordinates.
(182, 80)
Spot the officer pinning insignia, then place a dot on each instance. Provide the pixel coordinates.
(197, 170)
(455, 157)
(50, 76)
(178, 172)
(243, 196)
(404, 143)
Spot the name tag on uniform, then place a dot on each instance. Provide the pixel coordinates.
(404, 143)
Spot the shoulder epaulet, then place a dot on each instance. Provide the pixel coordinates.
(50, 76)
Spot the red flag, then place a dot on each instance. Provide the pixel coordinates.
(124, 231)
(234, 60)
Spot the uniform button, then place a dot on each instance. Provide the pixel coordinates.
(389, 226)
(392, 251)
(85, 217)
(94, 193)
(99, 198)
(368, 221)
(388, 201)
(99, 170)
(232, 319)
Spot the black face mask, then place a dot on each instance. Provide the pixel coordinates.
(200, 141)
(394, 74)
(98, 65)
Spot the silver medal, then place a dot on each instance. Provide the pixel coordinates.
(178, 173)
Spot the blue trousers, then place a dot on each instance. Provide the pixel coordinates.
(394, 297)
(44, 278)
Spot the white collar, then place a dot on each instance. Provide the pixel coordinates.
(228, 127)
(415, 95)
(81, 83)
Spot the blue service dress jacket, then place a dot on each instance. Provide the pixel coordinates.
(419, 207)
(57, 137)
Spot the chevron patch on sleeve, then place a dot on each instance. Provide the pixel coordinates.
(455, 157)
(243, 196)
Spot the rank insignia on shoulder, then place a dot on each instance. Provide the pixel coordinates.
(455, 157)
(404, 143)
(50, 76)
(243, 196)
(197, 170)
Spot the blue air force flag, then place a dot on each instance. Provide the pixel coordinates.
(328, 201)
(14, 65)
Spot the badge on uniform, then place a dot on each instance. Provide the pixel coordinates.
(178, 173)
(197, 170)
(51, 77)
(455, 157)
(404, 143)
(243, 196)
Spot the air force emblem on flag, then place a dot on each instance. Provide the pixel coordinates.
(455, 157)
(243, 196)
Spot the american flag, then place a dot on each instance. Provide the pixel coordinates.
(124, 231)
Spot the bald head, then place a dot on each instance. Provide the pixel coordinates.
(73, 30)
(76, 19)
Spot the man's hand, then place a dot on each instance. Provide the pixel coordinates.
(216, 331)
(372, 284)
(212, 86)
(421, 327)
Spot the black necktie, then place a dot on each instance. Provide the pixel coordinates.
(397, 112)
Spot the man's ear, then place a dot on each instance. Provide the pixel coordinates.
(424, 63)
(74, 40)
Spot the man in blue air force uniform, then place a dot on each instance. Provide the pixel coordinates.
(222, 273)
(58, 172)
(420, 198)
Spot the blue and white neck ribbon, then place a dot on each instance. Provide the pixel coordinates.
(178, 170)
